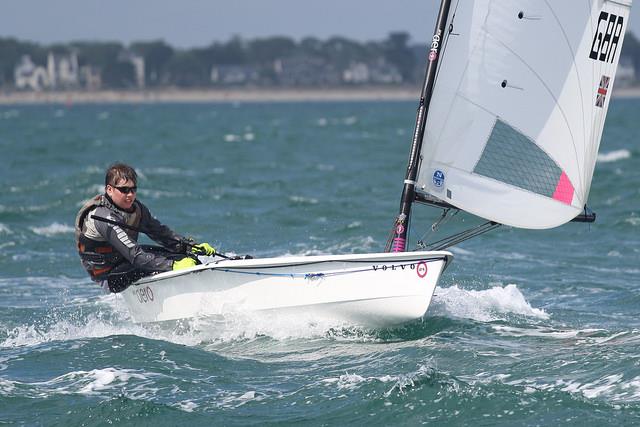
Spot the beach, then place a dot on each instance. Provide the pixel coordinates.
(405, 93)
(231, 95)
(211, 95)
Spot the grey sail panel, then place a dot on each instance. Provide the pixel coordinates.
(513, 158)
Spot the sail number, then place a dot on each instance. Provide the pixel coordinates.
(605, 41)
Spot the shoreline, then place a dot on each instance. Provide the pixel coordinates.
(210, 95)
(232, 95)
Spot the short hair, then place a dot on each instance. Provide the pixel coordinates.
(120, 171)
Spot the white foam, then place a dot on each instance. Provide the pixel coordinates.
(232, 138)
(458, 251)
(614, 156)
(233, 400)
(540, 332)
(186, 405)
(6, 386)
(4, 229)
(111, 317)
(94, 169)
(102, 379)
(610, 387)
(634, 221)
(247, 326)
(401, 382)
(10, 114)
(485, 305)
(171, 171)
(52, 230)
(325, 167)
(350, 381)
(303, 200)
(91, 382)
(354, 244)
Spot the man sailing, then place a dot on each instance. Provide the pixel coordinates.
(107, 227)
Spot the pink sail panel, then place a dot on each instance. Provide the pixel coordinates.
(564, 190)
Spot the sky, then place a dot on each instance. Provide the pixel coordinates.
(197, 23)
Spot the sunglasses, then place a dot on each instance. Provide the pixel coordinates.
(126, 190)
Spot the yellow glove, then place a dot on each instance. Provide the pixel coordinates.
(203, 249)
(183, 263)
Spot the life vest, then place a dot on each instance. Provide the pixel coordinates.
(99, 257)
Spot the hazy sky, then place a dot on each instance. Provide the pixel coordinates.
(190, 23)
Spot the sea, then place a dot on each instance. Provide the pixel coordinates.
(526, 328)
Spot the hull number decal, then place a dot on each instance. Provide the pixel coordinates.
(144, 294)
(421, 269)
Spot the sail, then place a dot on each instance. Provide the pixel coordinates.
(519, 106)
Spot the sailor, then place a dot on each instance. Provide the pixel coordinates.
(107, 227)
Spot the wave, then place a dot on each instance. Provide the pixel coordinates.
(614, 156)
(52, 230)
(634, 221)
(10, 114)
(301, 200)
(485, 305)
(107, 316)
(231, 137)
(355, 244)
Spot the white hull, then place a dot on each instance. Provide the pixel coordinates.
(372, 290)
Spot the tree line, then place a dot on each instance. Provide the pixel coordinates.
(168, 66)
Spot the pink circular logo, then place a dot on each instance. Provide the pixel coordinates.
(400, 229)
(432, 56)
(421, 269)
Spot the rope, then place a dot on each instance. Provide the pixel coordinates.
(462, 236)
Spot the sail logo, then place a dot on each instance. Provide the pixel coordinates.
(605, 41)
(435, 44)
(438, 178)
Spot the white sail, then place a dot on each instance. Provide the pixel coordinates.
(519, 106)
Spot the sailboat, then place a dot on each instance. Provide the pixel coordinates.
(508, 127)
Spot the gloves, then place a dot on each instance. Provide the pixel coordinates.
(183, 263)
(203, 249)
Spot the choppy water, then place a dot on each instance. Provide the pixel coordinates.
(526, 328)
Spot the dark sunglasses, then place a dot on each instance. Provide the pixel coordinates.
(126, 190)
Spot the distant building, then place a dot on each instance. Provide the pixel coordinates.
(27, 75)
(90, 77)
(138, 66)
(384, 73)
(234, 75)
(356, 73)
(63, 70)
(379, 72)
(305, 70)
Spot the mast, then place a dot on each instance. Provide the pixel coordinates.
(398, 242)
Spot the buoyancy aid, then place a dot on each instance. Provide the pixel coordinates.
(97, 255)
